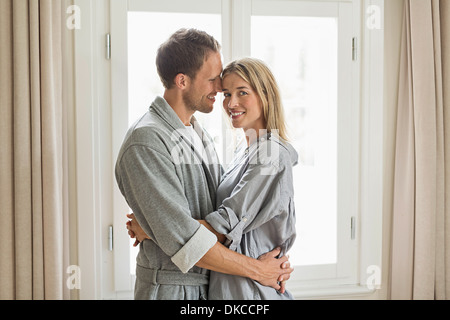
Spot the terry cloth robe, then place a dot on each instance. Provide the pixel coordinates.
(169, 186)
(256, 213)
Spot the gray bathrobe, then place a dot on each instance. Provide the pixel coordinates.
(255, 210)
(169, 186)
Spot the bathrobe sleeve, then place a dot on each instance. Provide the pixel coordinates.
(149, 181)
(263, 193)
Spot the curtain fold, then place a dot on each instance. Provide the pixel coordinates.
(420, 258)
(31, 167)
(445, 46)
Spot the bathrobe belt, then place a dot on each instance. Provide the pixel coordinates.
(171, 277)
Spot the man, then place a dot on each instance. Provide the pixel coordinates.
(170, 181)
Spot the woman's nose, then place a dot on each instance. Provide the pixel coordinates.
(233, 102)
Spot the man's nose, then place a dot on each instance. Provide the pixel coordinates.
(218, 85)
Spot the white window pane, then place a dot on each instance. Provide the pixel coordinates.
(146, 32)
(302, 53)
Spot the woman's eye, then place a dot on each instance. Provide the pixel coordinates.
(226, 95)
(243, 93)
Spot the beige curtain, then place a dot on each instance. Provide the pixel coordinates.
(31, 159)
(420, 261)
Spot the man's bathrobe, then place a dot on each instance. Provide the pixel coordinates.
(169, 185)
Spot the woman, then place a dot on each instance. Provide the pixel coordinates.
(255, 197)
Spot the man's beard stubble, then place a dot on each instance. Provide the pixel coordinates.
(192, 104)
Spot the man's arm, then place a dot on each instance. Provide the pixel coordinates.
(267, 269)
(146, 177)
(135, 231)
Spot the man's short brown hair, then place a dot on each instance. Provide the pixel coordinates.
(184, 52)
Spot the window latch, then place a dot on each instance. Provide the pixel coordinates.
(353, 228)
(354, 49)
(110, 238)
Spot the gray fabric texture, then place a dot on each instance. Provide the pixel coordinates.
(256, 213)
(168, 186)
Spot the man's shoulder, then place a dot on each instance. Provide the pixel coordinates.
(148, 130)
(146, 133)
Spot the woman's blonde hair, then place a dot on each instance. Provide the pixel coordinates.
(256, 73)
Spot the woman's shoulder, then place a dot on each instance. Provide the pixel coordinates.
(272, 149)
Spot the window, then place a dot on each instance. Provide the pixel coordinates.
(308, 45)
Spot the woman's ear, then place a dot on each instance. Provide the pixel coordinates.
(181, 81)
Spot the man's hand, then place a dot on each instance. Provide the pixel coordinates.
(275, 272)
(135, 230)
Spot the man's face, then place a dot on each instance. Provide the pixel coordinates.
(203, 89)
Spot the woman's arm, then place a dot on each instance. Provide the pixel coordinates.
(220, 237)
(135, 231)
(256, 199)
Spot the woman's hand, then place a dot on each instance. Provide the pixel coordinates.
(135, 230)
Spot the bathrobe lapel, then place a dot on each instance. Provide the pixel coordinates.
(210, 161)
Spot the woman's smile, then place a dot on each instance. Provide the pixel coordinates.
(236, 115)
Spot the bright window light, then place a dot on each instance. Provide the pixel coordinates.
(302, 53)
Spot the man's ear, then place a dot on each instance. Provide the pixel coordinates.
(182, 81)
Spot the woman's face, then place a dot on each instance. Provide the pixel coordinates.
(242, 104)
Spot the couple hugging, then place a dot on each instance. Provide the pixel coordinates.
(203, 232)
